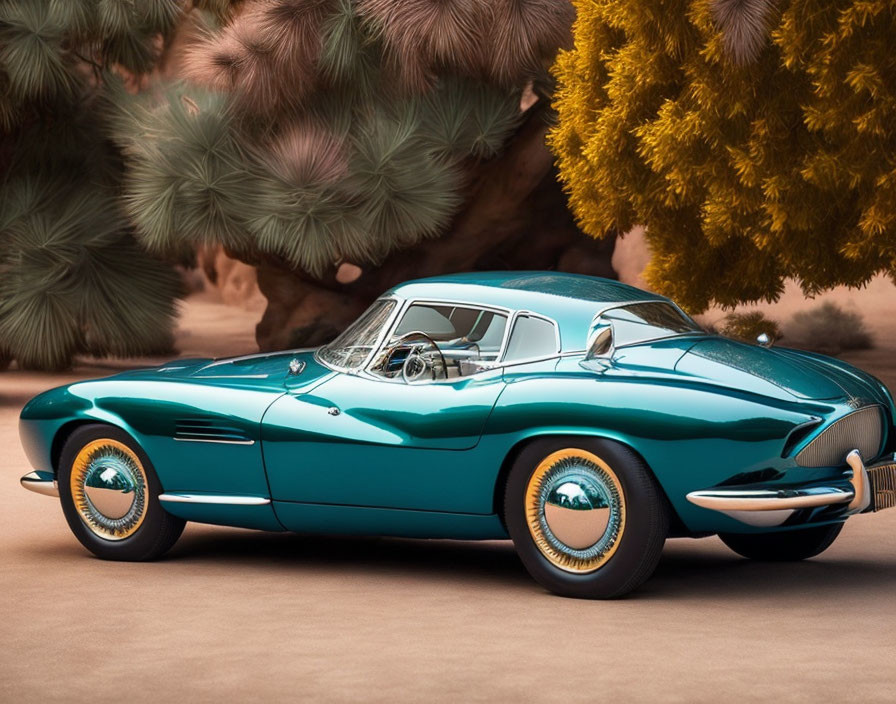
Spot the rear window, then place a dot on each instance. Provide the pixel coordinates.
(640, 322)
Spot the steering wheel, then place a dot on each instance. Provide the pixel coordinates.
(416, 364)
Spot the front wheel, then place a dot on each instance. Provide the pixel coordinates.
(110, 496)
(785, 545)
(586, 516)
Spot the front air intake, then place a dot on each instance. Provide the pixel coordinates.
(861, 430)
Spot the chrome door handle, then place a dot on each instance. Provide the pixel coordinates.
(333, 411)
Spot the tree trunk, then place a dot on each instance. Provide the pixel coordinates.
(515, 218)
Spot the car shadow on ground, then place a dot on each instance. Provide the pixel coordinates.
(491, 561)
(688, 569)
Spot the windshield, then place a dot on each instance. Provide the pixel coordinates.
(639, 322)
(355, 344)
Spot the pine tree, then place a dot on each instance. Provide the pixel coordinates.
(756, 140)
(387, 135)
(72, 277)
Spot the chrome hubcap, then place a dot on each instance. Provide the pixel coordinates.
(575, 510)
(109, 489)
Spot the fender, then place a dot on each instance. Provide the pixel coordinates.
(689, 436)
(195, 448)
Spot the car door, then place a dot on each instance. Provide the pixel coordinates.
(371, 438)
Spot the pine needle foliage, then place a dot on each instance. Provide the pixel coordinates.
(755, 140)
(321, 131)
(72, 277)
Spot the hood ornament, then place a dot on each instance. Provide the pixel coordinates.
(296, 366)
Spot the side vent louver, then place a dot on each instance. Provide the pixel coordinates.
(210, 430)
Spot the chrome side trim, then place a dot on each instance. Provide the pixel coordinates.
(219, 442)
(530, 360)
(215, 499)
(41, 483)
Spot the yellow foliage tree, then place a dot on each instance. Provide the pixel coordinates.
(755, 139)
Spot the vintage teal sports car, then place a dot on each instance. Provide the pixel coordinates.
(585, 419)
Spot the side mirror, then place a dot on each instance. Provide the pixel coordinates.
(764, 340)
(601, 342)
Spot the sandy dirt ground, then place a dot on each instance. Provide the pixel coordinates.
(236, 615)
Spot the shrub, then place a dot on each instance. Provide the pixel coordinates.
(828, 329)
(746, 327)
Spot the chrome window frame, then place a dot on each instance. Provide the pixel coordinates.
(390, 321)
(558, 348)
(393, 324)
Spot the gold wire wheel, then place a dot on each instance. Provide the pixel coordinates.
(109, 489)
(575, 510)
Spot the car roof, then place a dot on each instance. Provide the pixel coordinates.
(571, 299)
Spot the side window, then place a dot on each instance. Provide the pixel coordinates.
(531, 337)
(439, 341)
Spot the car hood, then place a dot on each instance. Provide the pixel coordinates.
(772, 371)
(265, 370)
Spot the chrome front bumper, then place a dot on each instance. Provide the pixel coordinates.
(41, 483)
(870, 489)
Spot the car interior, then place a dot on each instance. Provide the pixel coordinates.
(433, 341)
(441, 342)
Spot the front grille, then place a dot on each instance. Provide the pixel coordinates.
(210, 430)
(861, 430)
(883, 485)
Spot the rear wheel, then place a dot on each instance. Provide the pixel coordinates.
(585, 516)
(110, 496)
(783, 546)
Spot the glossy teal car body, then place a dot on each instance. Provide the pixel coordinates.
(292, 441)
